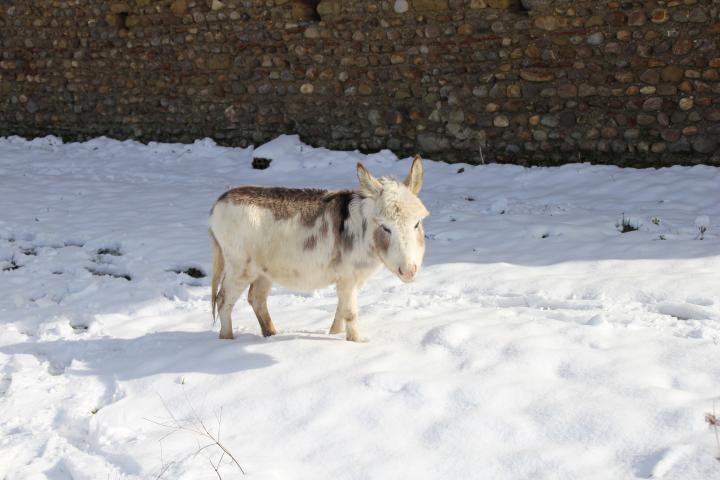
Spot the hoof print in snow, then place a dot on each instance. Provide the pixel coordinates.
(79, 328)
(259, 163)
(545, 235)
(192, 272)
(56, 369)
(74, 243)
(29, 252)
(5, 381)
(683, 311)
(10, 265)
(113, 251)
(104, 271)
(104, 264)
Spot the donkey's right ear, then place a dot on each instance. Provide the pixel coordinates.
(369, 185)
(414, 179)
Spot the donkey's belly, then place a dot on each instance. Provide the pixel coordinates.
(294, 277)
(281, 257)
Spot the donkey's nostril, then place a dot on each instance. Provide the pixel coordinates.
(409, 271)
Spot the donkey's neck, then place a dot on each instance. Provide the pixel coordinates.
(358, 227)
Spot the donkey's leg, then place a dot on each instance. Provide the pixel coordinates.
(346, 312)
(232, 287)
(257, 297)
(338, 325)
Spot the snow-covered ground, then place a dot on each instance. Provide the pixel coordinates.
(538, 342)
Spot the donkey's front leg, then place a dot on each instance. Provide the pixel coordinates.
(346, 312)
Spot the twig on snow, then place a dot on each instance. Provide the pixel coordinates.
(196, 426)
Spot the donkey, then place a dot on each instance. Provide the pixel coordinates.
(305, 239)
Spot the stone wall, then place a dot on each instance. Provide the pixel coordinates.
(532, 82)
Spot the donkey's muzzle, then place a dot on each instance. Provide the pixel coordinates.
(408, 273)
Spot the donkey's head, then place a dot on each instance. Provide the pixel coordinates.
(395, 217)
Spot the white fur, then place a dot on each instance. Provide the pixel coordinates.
(257, 247)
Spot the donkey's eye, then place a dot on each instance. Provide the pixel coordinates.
(386, 229)
(417, 225)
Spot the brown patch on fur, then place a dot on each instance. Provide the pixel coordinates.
(324, 227)
(382, 240)
(285, 203)
(310, 243)
(340, 212)
(222, 197)
(347, 242)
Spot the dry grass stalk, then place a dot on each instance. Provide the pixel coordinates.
(196, 426)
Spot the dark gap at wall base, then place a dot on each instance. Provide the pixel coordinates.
(554, 159)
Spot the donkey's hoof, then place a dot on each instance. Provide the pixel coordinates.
(356, 339)
(335, 330)
(269, 333)
(226, 336)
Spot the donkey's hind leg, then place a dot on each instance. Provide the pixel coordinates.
(338, 325)
(257, 297)
(232, 287)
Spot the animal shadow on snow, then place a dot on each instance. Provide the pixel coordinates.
(151, 354)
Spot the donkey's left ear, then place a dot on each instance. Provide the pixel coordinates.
(414, 179)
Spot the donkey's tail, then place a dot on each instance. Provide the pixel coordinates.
(218, 266)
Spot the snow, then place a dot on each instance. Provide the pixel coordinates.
(538, 341)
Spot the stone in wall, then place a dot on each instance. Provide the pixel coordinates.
(527, 81)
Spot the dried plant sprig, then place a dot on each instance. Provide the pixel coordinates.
(714, 422)
(195, 425)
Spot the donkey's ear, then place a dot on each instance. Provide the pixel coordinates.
(414, 179)
(369, 185)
